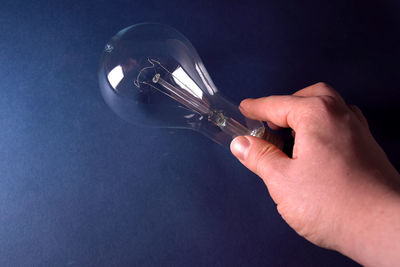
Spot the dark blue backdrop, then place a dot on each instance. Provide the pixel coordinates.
(80, 187)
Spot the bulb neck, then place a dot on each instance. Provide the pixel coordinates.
(231, 126)
(234, 128)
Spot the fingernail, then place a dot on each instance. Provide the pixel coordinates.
(240, 146)
(243, 103)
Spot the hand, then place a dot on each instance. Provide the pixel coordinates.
(338, 190)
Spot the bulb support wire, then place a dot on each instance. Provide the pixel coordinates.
(201, 106)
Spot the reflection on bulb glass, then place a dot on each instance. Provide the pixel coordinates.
(151, 75)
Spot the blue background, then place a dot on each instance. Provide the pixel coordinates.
(80, 187)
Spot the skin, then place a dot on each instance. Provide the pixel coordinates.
(339, 190)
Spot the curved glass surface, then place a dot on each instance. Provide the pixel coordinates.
(151, 75)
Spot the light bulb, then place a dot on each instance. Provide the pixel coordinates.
(151, 75)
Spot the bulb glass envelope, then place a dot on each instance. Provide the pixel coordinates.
(151, 75)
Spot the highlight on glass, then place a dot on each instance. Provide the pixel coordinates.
(151, 75)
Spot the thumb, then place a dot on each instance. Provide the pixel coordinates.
(259, 156)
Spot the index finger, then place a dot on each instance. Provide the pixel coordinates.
(280, 110)
(320, 89)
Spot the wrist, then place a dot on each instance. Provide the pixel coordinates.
(370, 233)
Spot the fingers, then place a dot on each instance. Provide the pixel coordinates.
(279, 110)
(319, 89)
(261, 157)
(285, 111)
(357, 111)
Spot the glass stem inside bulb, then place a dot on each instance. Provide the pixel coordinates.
(226, 124)
(183, 97)
(217, 117)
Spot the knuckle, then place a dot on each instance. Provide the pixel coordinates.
(324, 103)
(327, 89)
(319, 109)
(324, 85)
(355, 109)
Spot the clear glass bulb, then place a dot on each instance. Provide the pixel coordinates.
(151, 75)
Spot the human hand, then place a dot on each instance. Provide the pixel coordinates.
(338, 190)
